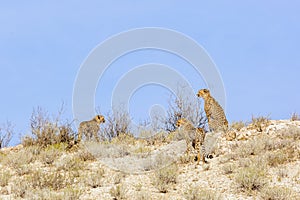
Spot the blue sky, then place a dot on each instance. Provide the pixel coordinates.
(255, 45)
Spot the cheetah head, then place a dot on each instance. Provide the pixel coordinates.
(100, 119)
(181, 122)
(203, 93)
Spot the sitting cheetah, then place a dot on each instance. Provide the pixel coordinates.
(215, 115)
(90, 128)
(194, 137)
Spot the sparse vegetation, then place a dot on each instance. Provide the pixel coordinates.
(237, 125)
(228, 168)
(117, 122)
(276, 193)
(201, 193)
(260, 123)
(276, 158)
(4, 177)
(295, 117)
(95, 179)
(6, 134)
(251, 178)
(165, 177)
(265, 165)
(47, 131)
(49, 155)
(182, 105)
(118, 192)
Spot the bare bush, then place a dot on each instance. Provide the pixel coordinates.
(47, 131)
(117, 122)
(182, 105)
(6, 134)
(295, 117)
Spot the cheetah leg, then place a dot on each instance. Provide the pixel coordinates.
(79, 136)
(198, 158)
(97, 138)
(188, 149)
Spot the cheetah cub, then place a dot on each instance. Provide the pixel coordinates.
(194, 138)
(90, 128)
(215, 115)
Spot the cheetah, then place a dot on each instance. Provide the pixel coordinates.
(194, 137)
(215, 115)
(90, 128)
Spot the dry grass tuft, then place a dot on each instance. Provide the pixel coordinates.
(165, 177)
(251, 178)
(295, 117)
(4, 177)
(260, 123)
(95, 178)
(119, 192)
(276, 193)
(237, 125)
(200, 193)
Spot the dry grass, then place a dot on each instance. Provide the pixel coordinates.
(276, 193)
(95, 178)
(260, 123)
(6, 134)
(4, 177)
(251, 178)
(295, 117)
(292, 132)
(276, 158)
(165, 177)
(54, 171)
(119, 191)
(237, 125)
(228, 168)
(200, 193)
(249, 148)
(49, 155)
(46, 131)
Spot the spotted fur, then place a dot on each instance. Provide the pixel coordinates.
(194, 138)
(214, 112)
(90, 128)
